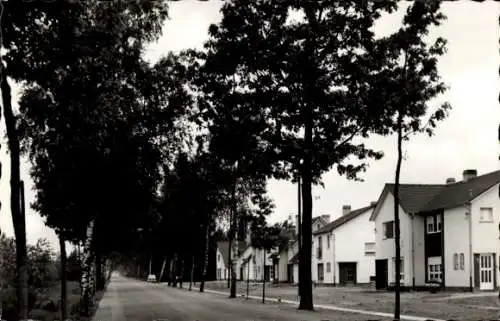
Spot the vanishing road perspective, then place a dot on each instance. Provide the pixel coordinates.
(129, 299)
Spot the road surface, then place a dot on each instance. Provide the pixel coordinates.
(132, 300)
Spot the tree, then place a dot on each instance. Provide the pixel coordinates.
(305, 101)
(267, 238)
(118, 120)
(410, 80)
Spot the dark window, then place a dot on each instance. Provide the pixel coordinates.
(389, 230)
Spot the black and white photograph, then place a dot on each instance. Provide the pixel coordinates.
(249, 160)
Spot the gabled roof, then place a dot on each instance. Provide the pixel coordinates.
(294, 259)
(418, 198)
(343, 219)
(223, 247)
(316, 219)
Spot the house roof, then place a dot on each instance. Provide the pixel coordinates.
(223, 247)
(418, 198)
(294, 259)
(343, 219)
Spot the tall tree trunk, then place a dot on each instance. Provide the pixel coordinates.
(18, 219)
(181, 274)
(192, 274)
(86, 283)
(175, 271)
(230, 249)
(396, 221)
(305, 251)
(205, 257)
(264, 276)
(232, 293)
(64, 291)
(160, 278)
(99, 280)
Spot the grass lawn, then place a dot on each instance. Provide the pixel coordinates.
(54, 294)
(412, 303)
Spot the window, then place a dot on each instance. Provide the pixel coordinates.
(318, 226)
(328, 267)
(389, 230)
(462, 261)
(435, 272)
(328, 241)
(401, 269)
(433, 223)
(218, 258)
(320, 244)
(253, 260)
(219, 274)
(430, 224)
(370, 248)
(486, 214)
(455, 261)
(438, 223)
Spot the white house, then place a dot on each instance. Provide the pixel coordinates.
(288, 265)
(255, 264)
(222, 260)
(344, 250)
(449, 233)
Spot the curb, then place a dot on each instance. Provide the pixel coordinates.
(328, 307)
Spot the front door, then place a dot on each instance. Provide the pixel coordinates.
(486, 272)
(321, 272)
(241, 273)
(347, 273)
(381, 274)
(290, 273)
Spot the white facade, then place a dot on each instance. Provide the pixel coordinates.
(222, 272)
(471, 243)
(385, 248)
(485, 232)
(347, 244)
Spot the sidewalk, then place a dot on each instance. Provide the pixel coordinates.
(110, 307)
(325, 306)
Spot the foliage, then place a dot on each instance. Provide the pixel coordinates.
(117, 131)
(42, 270)
(409, 82)
(270, 237)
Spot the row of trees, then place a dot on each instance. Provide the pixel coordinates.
(159, 152)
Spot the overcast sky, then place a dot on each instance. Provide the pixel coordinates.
(467, 139)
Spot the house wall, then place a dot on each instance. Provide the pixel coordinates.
(350, 240)
(485, 236)
(456, 240)
(385, 248)
(220, 265)
(347, 244)
(419, 251)
(283, 265)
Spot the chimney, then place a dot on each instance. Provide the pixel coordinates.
(326, 217)
(450, 180)
(373, 203)
(469, 173)
(346, 209)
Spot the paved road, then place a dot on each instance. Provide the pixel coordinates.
(132, 300)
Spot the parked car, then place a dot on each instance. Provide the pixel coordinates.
(151, 278)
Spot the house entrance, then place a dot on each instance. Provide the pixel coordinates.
(290, 273)
(381, 274)
(486, 272)
(347, 273)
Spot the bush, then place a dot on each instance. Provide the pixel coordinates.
(42, 272)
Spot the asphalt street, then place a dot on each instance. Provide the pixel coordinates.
(133, 300)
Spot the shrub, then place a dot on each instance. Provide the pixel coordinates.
(42, 272)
